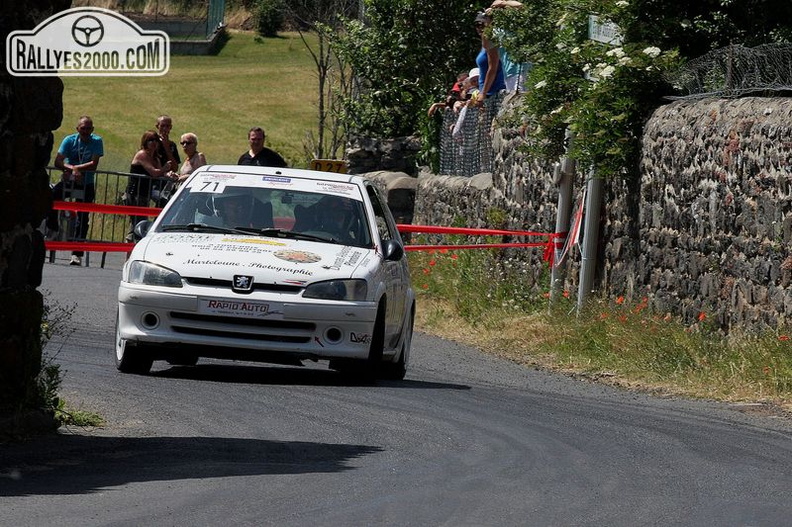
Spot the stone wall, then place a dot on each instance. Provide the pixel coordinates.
(706, 229)
(715, 216)
(395, 155)
(30, 108)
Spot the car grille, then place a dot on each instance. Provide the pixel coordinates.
(242, 328)
(226, 284)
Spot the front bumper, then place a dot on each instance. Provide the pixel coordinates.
(259, 325)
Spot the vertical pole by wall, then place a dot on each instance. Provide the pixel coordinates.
(563, 178)
(588, 262)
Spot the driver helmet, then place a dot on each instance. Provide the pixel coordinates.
(335, 214)
(236, 201)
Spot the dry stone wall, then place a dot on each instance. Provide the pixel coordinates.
(706, 229)
(715, 210)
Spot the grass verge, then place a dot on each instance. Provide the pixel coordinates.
(475, 297)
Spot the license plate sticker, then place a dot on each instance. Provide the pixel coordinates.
(241, 308)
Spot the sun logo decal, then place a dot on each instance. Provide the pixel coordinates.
(297, 256)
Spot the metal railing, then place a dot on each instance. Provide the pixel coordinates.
(734, 71)
(111, 227)
(466, 139)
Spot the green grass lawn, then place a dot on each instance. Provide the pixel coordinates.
(270, 83)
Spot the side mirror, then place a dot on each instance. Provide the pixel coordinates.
(393, 251)
(141, 229)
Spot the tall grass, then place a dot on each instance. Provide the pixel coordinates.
(252, 82)
(478, 296)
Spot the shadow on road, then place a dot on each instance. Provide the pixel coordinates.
(280, 375)
(62, 464)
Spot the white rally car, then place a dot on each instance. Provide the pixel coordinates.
(271, 265)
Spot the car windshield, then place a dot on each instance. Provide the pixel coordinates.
(271, 212)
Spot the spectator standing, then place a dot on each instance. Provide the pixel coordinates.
(192, 157)
(78, 157)
(454, 95)
(470, 96)
(148, 170)
(167, 151)
(491, 79)
(260, 155)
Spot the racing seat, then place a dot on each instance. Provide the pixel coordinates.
(305, 218)
(262, 214)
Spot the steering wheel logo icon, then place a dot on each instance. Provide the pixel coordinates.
(88, 31)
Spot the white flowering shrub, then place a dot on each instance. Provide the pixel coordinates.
(602, 92)
(606, 92)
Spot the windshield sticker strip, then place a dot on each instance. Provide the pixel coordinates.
(216, 183)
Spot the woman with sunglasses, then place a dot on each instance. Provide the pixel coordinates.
(147, 170)
(192, 157)
(491, 79)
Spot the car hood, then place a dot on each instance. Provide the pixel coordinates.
(270, 260)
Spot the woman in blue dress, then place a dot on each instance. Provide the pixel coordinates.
(491, 78)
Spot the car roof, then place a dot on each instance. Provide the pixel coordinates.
(284, 172)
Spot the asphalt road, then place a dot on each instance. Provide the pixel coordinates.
(465, 440)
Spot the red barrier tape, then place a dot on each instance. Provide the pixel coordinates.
(99, 247)
(472, 246)
(153, 211)
(547, 256)
(107, 209)
(464, 230)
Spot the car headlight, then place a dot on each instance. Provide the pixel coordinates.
(337, 290)
(150, 274)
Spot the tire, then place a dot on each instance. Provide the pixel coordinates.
(366, 370)
(395, 371)
(130, 359)
(377, 341)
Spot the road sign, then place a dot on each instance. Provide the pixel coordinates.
(329, 165)
(604, 31)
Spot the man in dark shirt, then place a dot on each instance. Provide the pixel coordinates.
(259, 154)
(167, 151)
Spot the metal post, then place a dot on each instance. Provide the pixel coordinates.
(588, 263)
(564, 175)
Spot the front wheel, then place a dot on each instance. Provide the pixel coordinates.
(396, 371)
(130, 359)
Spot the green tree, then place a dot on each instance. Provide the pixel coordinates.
(325, 18)
(404, 55)
(407, 53)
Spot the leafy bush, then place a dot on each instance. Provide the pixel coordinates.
(269, 17)
(54, 321)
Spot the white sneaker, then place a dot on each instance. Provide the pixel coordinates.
(75, 260)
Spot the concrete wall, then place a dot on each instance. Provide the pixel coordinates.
(188, 36)
(706, 229)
